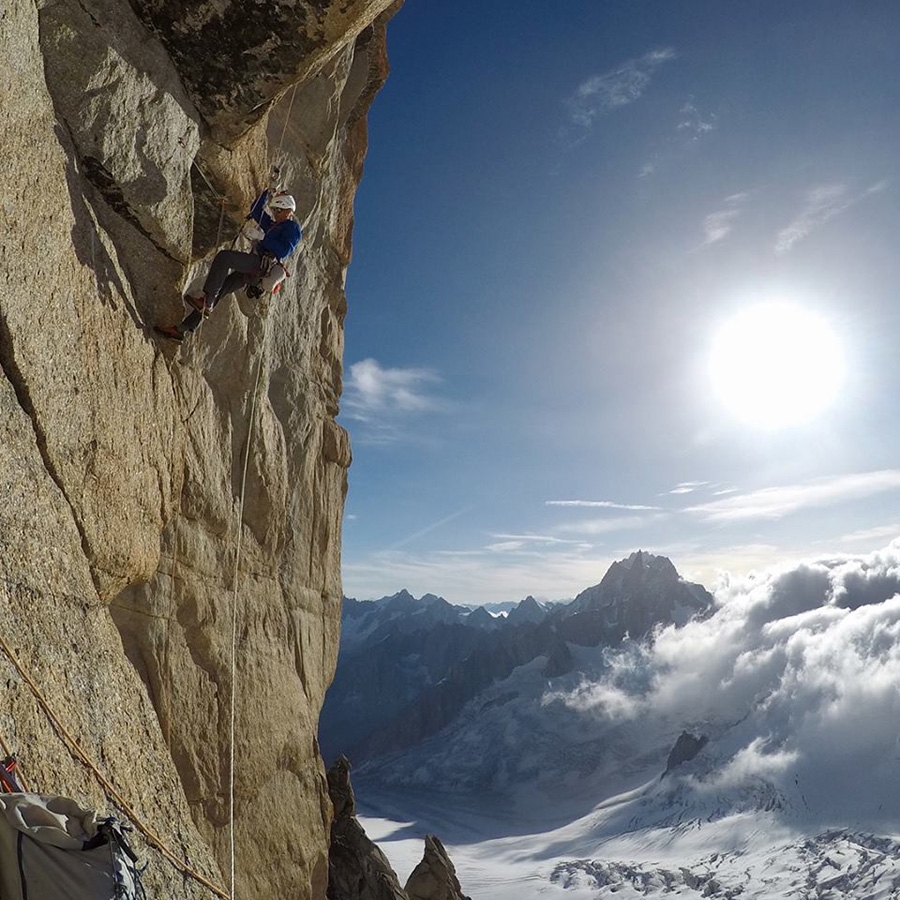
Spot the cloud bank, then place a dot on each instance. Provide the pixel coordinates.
(796, 677)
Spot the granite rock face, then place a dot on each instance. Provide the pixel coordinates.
(132, 143)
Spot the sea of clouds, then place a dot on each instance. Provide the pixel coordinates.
(795, 677)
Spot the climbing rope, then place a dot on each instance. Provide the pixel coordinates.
(234, 603)
(287, 118)
(81, 756)
(170, 614)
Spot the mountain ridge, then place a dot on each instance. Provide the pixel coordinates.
(442, 656)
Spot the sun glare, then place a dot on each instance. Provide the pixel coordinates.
(776, 365)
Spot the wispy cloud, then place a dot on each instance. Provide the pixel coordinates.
(867, 535)
(431, 527)
(821, 204)
(535, 544)
(695, 123)
(776, 502)
(688, 487)
(719, 224)
(381, 399)
(532, 538)
(611, 525)
(600, 94)
(691, 125)
(598, 504)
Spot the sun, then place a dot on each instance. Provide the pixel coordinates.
(775, 365)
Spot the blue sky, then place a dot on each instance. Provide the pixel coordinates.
(559, 215)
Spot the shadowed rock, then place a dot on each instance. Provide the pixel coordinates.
(686, 748)
(435, 877)
(357, 869)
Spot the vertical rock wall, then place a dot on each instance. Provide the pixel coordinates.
(132, 142)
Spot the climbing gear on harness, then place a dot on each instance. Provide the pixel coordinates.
(273, 280)
(8, 782)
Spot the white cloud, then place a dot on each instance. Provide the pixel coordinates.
(381, 399)
(694, 122)
(598, 504)
(372, 389)
(867, 535)
(688, 487)
(719, 224)
(776, 502)
(505, 546)
(532, 538)
(601, 94)
(821, 204)
(611, 525)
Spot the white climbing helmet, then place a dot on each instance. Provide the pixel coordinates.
(283, 200)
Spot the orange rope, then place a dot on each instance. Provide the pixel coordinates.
(76, 750)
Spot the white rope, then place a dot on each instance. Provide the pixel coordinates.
(234, 606)
(287, 118)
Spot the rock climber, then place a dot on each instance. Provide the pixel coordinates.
(275, 234)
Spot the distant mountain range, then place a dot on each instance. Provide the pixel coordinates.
(408, 667)
(641, 741)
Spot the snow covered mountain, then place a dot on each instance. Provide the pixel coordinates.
(783, 702)
(408, 667)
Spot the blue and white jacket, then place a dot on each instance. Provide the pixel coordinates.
(281, 238)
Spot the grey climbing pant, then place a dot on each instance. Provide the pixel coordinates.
(230, 271)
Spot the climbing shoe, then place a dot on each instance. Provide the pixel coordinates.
(170, 331)
(201, 304)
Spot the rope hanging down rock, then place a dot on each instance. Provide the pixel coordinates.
(234, 601)
(81, 756)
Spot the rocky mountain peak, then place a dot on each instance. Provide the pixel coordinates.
(634, 596)
(481, 618)
(402, 601)
(435, 877)
(359, 870)
(641, 574)
(529, 610)
(686, 748)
